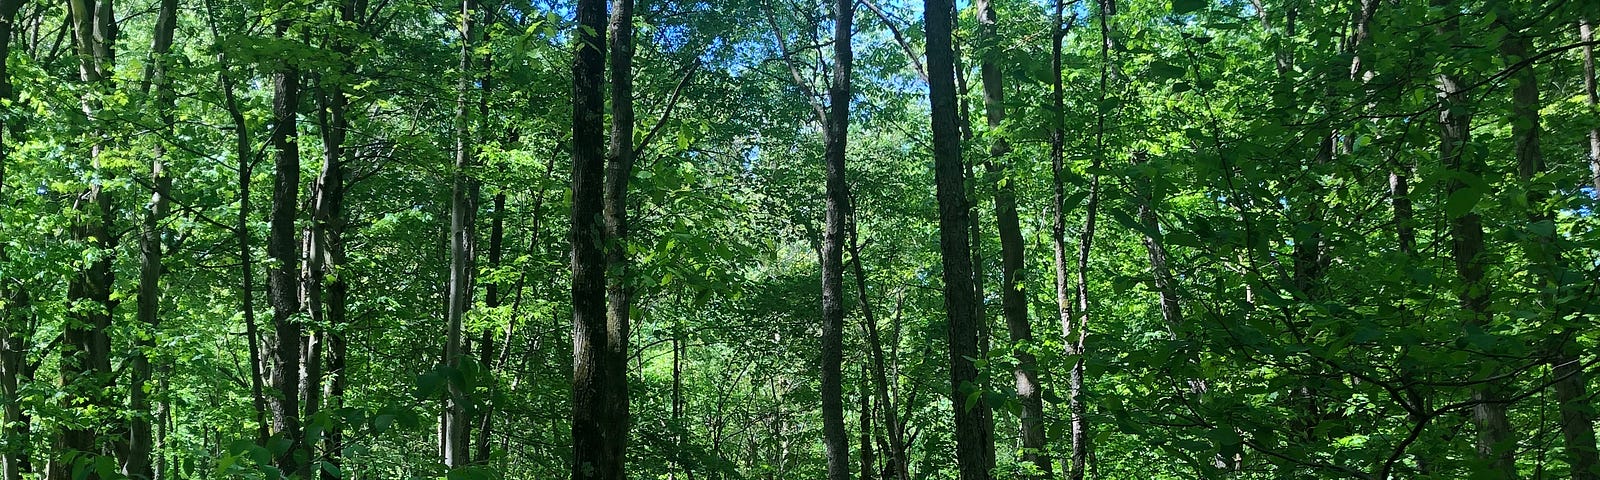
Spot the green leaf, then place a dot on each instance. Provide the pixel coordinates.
(1181, 7)
(1461, 202)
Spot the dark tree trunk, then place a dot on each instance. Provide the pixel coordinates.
(597, 454)
(328, 222)
(974, 456)
(283, 280)
(869, 457)
(86, 348)
(1495, 444)
(1577, 423)
(618, 172)
(141, 441)
(836, 443)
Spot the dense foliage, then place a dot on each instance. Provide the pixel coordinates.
(1206, 239)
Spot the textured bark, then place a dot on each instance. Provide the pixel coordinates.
(85, 349)
(1495, 443)
(1577, 419)
(597, 454)
(1577, 423)
(328, 223)
(141, 440)
(1013, 263)
(454, 420)
(974, 456)
(618, 171)
(283, 280)
(1058, 227)
(836, 444)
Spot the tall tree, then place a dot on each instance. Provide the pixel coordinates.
(463, 202)
(137, 463)
(836, 127)
(618, 172)
(974, 456)
(1495, 443)
(1013, 258)
(597, 453)
(85, 348)
(283, 279)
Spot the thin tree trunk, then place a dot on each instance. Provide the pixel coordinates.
(973, 424)
(1058, 230)
(246, 165)
(1013, 263)
(140, 438)
(14, 298)
(618, 171)
(869, 458)
(493, 297)
(328, 223)
(837, 206)
(454, 422)
(880, 376)
(283, 281)
(597, 454)
(1495, 443)
(1586, 35)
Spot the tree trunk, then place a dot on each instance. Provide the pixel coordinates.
(1058, 228)
(1496, 445)
(454, 421)
(283, 280)
(14, 299)
(974, 458)
(618, 172)
(869, 458)
(837, 204)
(85, 349)
(492, 294)
(140, 438)
(328, 222)
(880, 377)
(1013, 263)
(1586, 35)
(245, 155)
(597, 454)
(1577, 423)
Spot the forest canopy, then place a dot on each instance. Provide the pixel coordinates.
(793, 239)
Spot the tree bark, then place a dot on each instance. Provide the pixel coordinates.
(328, 223)
(1577, 423)
(1013, 263)
(141, 440)
(85, 349)
(974, 458)
(597, 454)
(1495, 444)
(1586, 35)
(618, 172)
(454, 421)
(283, 280)
(836, 205)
